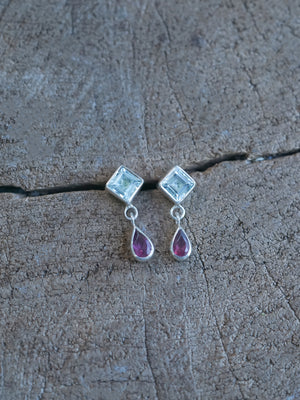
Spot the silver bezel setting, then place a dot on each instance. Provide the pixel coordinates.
(109, 185)
(178, 258)
(183, 176)
(131, 245)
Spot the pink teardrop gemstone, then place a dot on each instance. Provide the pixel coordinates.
(181, 244)
(141, 245)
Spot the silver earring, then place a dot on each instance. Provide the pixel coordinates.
(124, 184)
(176, 185)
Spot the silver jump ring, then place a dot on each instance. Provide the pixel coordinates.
(131, 212)
(177, 212)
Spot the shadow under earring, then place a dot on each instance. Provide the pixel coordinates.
(124, 184)
(176, 185)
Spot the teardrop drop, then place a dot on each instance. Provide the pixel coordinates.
(141, 246)
(181, 245)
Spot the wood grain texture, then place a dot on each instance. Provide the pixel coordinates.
(87, 86)
(81, 320)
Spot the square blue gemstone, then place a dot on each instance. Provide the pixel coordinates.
(124, 184)
(177, 184)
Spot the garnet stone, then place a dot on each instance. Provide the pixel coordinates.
(142, 247)
(181, 245)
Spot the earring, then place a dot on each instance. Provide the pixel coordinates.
(124, 184)
(176, 185)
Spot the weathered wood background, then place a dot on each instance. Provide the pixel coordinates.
(209, 85)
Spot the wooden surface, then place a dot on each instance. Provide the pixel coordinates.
(89, 85)
(86, 86)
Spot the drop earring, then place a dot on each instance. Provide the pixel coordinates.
(176, 185)
(124, 184)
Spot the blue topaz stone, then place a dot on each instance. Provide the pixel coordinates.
(124, 184)
(177, 184)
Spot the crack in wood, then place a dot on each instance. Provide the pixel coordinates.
(183, 113)
(201, 166)
(5, 8)
(146, 343)
(220, 334)
(274, 282)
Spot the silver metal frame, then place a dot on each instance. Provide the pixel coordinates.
(178, 217)
(160, 183)
(171, 247)
(177, 207)
(132, 216)
(136, 191)
(131, 245)
(131, 213)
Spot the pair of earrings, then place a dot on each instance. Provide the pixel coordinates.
(176, 185)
